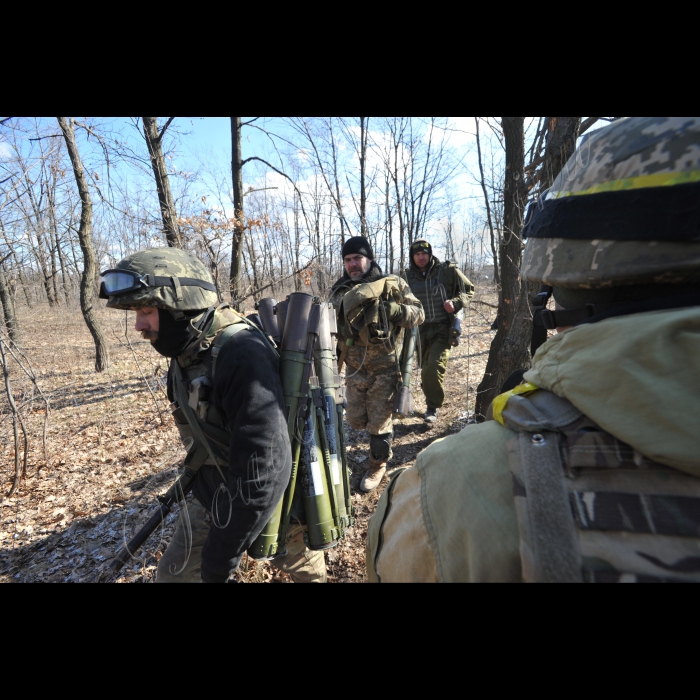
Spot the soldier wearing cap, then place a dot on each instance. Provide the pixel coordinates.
(444, 291)
(588, 471)
(225, 384)
(370, 346)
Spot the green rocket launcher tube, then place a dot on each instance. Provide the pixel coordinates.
(325, 364)
(294, 372)
(266, 311)
(403, 404)
(340, 424)
(322, 531)
(281, 313)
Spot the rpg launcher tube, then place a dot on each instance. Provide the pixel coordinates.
(339, 402)
(281, 313)
(266, 311)
(294, 373)
(403, 404)
(329, 381)
(321, 531)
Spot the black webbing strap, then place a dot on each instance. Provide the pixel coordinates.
(539, 329)
(543, 319)
(156, 281)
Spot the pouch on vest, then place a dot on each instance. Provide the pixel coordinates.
(591, 508)
(362, 311)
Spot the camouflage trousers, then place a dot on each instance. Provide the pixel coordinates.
(371, 400)
(435, 345)
(182, 561)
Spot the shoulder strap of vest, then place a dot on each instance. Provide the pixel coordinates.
(549, 549)
(194, 423)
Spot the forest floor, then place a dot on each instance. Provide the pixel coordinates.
(111, 448)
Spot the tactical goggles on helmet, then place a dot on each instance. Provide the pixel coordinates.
(416, 247)
(116, 283)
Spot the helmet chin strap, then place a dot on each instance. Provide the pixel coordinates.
(539, 329)
(543, 319)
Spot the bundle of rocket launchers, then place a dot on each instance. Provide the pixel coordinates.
(304, 328)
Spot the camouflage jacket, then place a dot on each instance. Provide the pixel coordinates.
(382, 356)
(633, 423)
(441, 282)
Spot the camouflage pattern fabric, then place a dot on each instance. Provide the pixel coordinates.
(607, 511)
(632, 160)
(371, 400)
(182, 560)
(166, 262)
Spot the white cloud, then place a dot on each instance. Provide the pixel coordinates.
(5, 150)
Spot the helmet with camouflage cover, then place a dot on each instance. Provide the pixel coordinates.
(625, 210)
(164, 278)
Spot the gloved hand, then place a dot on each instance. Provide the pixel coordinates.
(394, 311)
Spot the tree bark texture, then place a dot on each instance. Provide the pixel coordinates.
(8, 307)
(509, 350)
(239, 214)
(562, 135)
(87, 281)
(160, 171)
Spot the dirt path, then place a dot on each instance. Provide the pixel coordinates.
(109, 455)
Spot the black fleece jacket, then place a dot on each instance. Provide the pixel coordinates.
(248, 393)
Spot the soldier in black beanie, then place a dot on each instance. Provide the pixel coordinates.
(372, 375)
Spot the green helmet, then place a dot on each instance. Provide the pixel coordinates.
(164, 278)
(625, 210)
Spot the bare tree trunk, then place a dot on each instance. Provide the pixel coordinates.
(496, 275)
(239, 214)
(364, 121)
(8, 307)
(160, 171)
(64, 270)
(561, 143)
(87, 282)
(54, 270)
(509, 350)
(17, 422)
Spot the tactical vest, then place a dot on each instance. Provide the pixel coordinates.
(591, 508)
(201, 426)
(427, 290)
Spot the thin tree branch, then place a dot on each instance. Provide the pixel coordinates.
(277, 281)
(167, 124)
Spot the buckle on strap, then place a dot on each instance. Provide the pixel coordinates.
(546, 318)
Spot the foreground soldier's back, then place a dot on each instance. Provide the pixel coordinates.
(595, 475)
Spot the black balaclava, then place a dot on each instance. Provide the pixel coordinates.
(173, 336)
